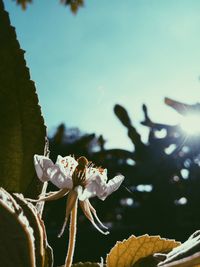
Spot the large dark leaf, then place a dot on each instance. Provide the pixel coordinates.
(22, 131)
(43, 252)
(17, 237)
(23, 239)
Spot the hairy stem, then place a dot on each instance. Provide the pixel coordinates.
(72, 236)
(40, 206)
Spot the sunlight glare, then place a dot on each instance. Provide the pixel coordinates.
(191, 124)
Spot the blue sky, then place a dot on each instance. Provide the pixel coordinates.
(127, 52)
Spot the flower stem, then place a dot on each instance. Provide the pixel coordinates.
(72, 236)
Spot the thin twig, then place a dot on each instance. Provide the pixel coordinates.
(40, 205)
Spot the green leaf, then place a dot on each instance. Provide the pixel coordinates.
(22, 131)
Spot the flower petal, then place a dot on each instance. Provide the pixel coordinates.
(89, 191)
(92, 173)
(111, 186)
(66, 164)
(41, 164)
(99, 188)
(58, 178)
(48, 171)
(86, 210)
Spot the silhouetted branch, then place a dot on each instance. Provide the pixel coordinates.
(182, 108)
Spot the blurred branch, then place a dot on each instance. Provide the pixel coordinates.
(135, 137)
(73, 4)
(182, 108)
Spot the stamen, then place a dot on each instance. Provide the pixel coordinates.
(83, 175)
(90, 164)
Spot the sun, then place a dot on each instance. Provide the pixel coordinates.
(191, 124)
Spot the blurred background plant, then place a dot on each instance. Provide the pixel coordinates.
(161, 189)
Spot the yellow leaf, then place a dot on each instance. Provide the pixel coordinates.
(129, 251)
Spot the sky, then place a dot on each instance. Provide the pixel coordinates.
(126, 52)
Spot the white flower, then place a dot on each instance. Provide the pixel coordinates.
(80, 181)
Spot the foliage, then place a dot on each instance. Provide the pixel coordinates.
(22, 233)
(131, 251)
(73, 4)
(20, 115)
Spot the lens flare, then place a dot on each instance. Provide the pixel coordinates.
(191, 124)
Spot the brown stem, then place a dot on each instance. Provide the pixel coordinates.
(72, 236)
